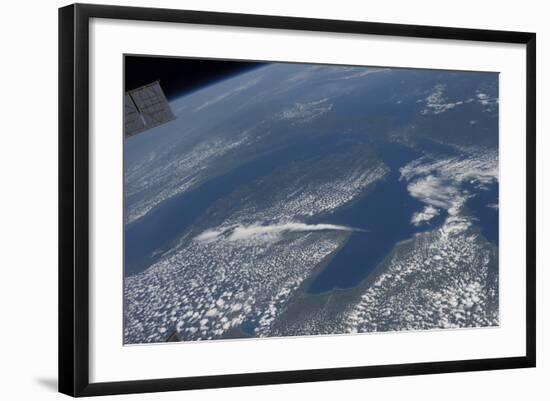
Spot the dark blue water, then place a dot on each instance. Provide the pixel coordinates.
(386, 214)
(146, 239)
(249, 326)
(486, 216)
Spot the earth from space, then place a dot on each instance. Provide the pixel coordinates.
(299, 199)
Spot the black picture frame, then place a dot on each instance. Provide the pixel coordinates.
(74, 198)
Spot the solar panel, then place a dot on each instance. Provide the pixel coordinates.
(144, 108)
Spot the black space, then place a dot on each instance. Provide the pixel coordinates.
(179, 75)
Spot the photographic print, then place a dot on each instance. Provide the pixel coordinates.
(286, 199)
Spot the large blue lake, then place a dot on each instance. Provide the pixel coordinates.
(385, 213)
(146, 239)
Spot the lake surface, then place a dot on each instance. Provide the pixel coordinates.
(148, 238)
(385, 212)
(484, 206)
(386, 215)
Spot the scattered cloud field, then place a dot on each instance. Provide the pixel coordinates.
(241, 268)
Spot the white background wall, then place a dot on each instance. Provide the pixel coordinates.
(28, 200)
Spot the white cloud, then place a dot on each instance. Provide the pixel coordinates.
(209, 235)
(304, 74)
(227, 94)
(427, 214)
(306, 112)
(480, 166)
(178, 172)
(438, 183)
(364, 72)
(433, 191)
(265, 232)
(437, 103)
(487, 101)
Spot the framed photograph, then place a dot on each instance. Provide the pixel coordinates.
(250, 199)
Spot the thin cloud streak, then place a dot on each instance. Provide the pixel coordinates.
(240, 232)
